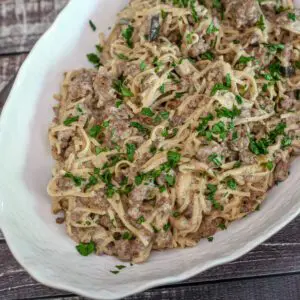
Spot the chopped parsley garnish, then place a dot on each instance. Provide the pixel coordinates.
(162, 189)
(120, 267)
(210, 238)
(211, 28)
(231, 183)
(86, 249)
(170, 179)
(147, 111)
(269, 165)
(155, 229)
(140, 220)
(176, 214)
(216, 159)
(220, 129)
(130, 149)
(212, 188)
(204, 124)
(142, 129)
(227, 113)
(222, 226)
(259, 147)
(220, 86)
(95, 131)
(292, 17)
(162, 88)
(189, 38)
(127, 35)
(261, 23)
(121, 88)
(194, 12)
(164, 14)
(245, 59)
(207, 55)
(157, 64)
(286, 142)
(173, 158)
(77, 180)
(152, 149)
(99, 150)
(297, 64)
(139, 179)
(166, 227)
(99, 48)
(239, 99)
(93, 180)
(237, 164)
(179, 95)
(127, 235)
(122, 56)
(143, 66)
(79, 109)
(69, 121)
(273, 48)
(218, 5)
(114, 272)
(93, 26)
(119, 103)
(94, 59)
(164, 115)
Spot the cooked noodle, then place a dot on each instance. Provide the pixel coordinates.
(192, 116)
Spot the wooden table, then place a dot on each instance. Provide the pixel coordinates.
(271, 271)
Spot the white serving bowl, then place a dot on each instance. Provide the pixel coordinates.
(38, 243)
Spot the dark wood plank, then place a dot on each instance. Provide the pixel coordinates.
(280, 254)
(265, 288)
(23, 22)
(9, 66)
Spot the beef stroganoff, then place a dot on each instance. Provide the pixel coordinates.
(191, 115)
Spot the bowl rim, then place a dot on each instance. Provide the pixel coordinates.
(43, 279)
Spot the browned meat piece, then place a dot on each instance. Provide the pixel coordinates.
(132, 69)
(241, 143)
(207, 228)
(64, 137)
(65, 184)
(245, 13)
(103, 87)
(200, 47)
(281, 171)
(105, 221)
(99, 201)
(247, 157)
(123, 249)
(163, 240)
(179, 119)
(204, 152)
(82, 84)
(248, 204)
(119, 127)
(140, 193)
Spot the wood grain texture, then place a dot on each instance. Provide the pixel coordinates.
(252, 289)
(279, 255)
(9, 66)
(22, 22)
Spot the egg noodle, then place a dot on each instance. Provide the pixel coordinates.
(191, 115)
